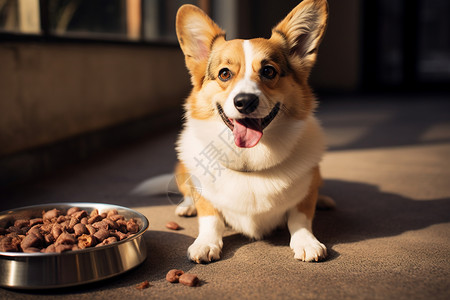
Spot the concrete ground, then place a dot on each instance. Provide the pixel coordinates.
(388, 168)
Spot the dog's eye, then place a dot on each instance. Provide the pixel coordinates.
(225, 74)
(268, 72)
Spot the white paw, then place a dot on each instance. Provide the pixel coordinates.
(308, 248)
(186, 211)
(204, 252)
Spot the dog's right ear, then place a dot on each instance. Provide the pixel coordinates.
(302, 31)
(196, 34)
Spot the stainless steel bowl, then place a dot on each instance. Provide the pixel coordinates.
(55, 270)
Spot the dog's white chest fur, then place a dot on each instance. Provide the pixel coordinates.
(252, 188)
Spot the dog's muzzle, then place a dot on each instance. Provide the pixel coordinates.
(248, 131)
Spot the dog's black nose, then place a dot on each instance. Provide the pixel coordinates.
(246, 103)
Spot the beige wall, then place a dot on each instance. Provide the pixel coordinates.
(50, 92)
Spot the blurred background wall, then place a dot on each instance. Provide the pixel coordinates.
(74, 74)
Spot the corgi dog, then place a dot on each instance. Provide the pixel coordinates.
(250, 147)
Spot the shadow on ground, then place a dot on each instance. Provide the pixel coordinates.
(364, 212)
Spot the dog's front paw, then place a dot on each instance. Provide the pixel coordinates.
(308, 248)
(204, 252)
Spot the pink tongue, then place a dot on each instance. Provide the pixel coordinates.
(247, 132)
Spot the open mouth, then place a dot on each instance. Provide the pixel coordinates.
(248, 131)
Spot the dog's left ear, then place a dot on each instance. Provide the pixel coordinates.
(302, 30)
(196, 34)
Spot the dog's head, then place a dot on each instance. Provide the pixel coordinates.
(248, 83)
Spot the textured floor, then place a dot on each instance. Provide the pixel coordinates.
(388, 168)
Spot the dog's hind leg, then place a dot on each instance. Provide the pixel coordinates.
(305, 245)
(188, 189)
(325, 203)
(186, 208)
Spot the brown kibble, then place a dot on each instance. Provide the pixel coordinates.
(173, 226)
(119, 234)
(189, 279)
(100, 225)
(111, 224)
(80, 214)
(57, 231)
(31, 241)
(63, 247)
(10, 243)
(116, 217)
(80, 229)
(31, 250)
(14, 229)
(101, 235)
(65, 226)
(21, 223)
(94, 213)
(111, 213)
(47, 227)
(143, 285)
(54, 213)
(173, 275)
(73, 221)
(132, 226)
(49, 238)
(61, 219)
(91, 229)
(72, 210)
(36, 221)
(122, 225)
(85, 241)
(107, 241)
(66, 239)
(110, 240)
(49, 249)
(95, 219)
(35, 230)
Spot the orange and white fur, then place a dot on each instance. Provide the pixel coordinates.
(250, 147)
